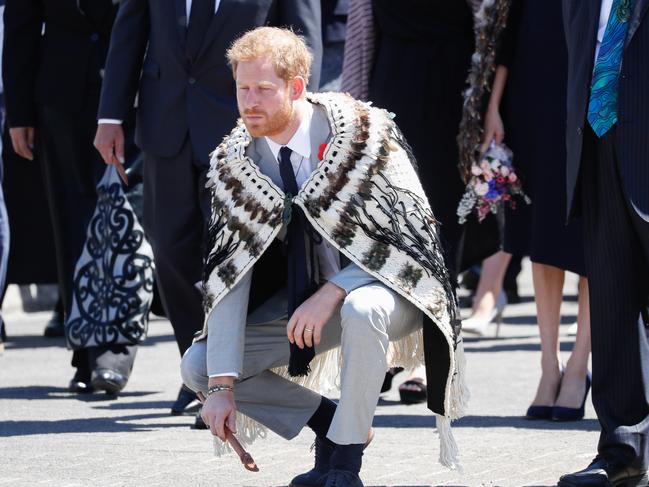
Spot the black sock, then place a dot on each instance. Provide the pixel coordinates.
(322, 418)
(348, 457)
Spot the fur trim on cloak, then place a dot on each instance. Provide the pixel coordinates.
(364, 197)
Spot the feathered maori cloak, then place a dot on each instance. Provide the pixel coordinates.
(365, 198)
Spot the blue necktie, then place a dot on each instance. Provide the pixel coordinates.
(300, 286)
(602, 108)
(200, 17)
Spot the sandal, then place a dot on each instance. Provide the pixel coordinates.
(415, 395)
(389, 375)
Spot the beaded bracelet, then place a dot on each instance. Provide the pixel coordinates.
(219, 388)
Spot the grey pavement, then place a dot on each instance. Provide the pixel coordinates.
(51, 437)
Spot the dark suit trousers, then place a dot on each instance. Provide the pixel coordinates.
(617, 261)
(176, 210)
(72, 168)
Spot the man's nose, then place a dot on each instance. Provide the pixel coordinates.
(252, 99)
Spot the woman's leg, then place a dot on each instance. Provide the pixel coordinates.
(490, 285)
(573, 384)
(548, 289)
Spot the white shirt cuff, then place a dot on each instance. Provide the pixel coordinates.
(111, 121)
(225, 374)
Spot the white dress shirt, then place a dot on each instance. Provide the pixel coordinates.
(188, 9)
(300, 144)
(604, 15)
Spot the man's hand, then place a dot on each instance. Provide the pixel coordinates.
(309, 319)
(219, 410)
(22, 139)
(109, 141)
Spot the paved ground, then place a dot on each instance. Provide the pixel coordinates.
(51, 437)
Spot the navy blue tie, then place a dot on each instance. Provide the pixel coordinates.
(200, 17)
(300, 286)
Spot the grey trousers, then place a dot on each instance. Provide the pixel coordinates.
(369, 318)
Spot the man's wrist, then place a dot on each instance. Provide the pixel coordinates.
(220, 380)
(220, 388)
(334, 290)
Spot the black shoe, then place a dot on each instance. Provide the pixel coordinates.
(108, 380)
(199, 424)
(416, 395)
(54, 328)
(572, 414)
(601, 473)
(186, 403)
(389, 375)
(111, 366)
(316, 477)
(539, 412)
(342, 478)
(80, 383)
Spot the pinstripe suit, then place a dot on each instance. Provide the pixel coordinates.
(608, 182)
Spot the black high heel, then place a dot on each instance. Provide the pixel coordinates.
(389, 375)
(544, 412)
(560, 413)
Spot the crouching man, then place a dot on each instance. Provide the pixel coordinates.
(320, 240)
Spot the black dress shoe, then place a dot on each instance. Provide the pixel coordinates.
(54, 328)
(111, 366)
(602, 473)
(186, 403)
(80, 383)
(108, 380)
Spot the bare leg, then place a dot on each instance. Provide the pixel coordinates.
(548, 288)
(573, 384)
(490, 285)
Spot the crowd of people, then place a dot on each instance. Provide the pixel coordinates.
(96, 84)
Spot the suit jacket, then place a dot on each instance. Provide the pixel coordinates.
(581, 20)
(177, 97)
(226, 343)
(54, 53)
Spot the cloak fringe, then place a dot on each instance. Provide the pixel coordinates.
(325, 378)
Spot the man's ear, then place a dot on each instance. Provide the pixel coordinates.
(298, 88)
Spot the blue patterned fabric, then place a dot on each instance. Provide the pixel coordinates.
(602, 108)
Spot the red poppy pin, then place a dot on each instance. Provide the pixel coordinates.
(321, 150)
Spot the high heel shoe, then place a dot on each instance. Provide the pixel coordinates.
(389, 375)
(560, 413)
(544, 412)
(479, 327)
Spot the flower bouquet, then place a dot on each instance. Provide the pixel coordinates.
(493, 183)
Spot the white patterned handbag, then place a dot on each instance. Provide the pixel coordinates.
(114, 277)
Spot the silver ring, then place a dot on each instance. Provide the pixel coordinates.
(309, 329)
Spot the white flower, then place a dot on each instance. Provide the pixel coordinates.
(475, 170)
(481, 189)
(504, 170)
